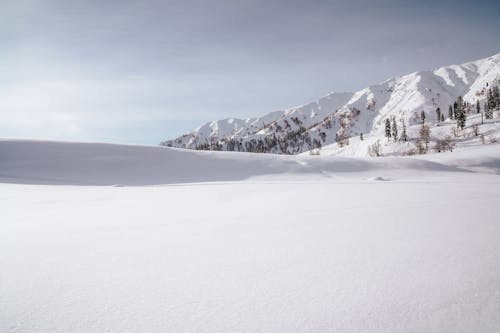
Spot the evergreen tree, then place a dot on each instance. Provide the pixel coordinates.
(361, 136)
(442, 117)
(496, 97)
(489, 99)
(460, 115)
(404, 136)
(422, 115)
(493, 98)
(450, 112)
(438, 114)
(394, 129)
(478, 107)
(488, 112)
(387, 128)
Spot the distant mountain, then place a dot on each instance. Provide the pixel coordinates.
(339, 116)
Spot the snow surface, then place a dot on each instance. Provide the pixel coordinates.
(64, 163)
(488, 133)
(235, 242)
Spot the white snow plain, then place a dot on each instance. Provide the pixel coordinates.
(234, 242)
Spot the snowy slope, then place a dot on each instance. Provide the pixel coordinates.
(65, 163)
(303, 244)
(51, 162)
(345, 115)
(488, 133)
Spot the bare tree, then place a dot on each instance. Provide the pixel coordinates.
(421, 147)
(375, 149)
(445, 144)
(425, 135)
(475, 130)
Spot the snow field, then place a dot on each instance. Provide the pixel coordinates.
(302, 244)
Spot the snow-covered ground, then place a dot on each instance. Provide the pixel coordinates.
(235, 242)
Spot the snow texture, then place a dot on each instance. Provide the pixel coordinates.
(235, 242)
(64, 163)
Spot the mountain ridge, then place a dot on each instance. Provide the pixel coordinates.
(336, 116)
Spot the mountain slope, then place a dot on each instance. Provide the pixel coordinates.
(339, 116)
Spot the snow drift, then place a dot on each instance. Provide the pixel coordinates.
(50, 162)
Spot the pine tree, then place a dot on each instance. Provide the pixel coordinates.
(478, 107)
(461, 116)
(438, 114)
(467, 107)
(493, 98)
(450, 112)
(361, 136)
(404, 136)
(442, 117)
(394, 129)
(489, 99)
(387, 128)
(460, 112)
(488, 112)
(496, 97)
(422, 115)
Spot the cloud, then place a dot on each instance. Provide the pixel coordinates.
(72, 108)
(85, 69)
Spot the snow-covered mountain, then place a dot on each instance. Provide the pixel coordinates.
(339, 116)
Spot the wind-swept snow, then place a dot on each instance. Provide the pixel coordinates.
(259, 243)
(476, 158)
(65, 163)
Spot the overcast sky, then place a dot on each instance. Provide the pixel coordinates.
(146, 70)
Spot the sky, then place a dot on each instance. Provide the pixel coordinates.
(144, 71)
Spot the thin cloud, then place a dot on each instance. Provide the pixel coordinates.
(86, 68)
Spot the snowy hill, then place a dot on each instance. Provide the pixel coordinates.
(340, 116)
(72, 163)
